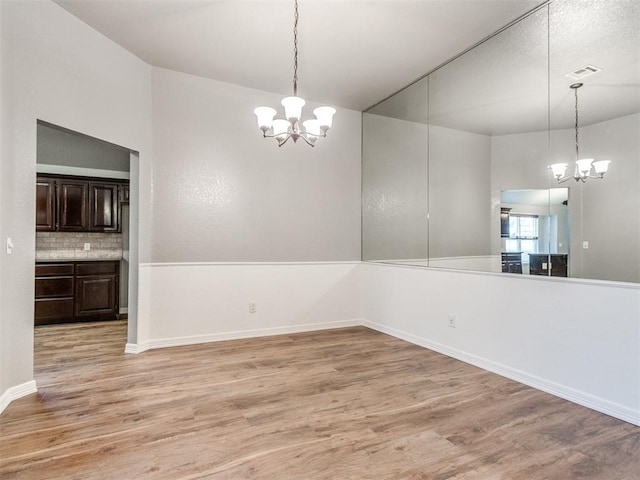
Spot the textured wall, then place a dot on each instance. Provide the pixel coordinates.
(224, 193)
(58, 147)
(56, 69)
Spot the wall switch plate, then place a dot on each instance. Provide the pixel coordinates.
(452, 320)
(9, 246)
(585, 244)
(87, 247)
(252, 307)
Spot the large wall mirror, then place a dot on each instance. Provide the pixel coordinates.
(456, 166)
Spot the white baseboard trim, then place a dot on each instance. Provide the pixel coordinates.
(124, 310)
(134, 348)
(237, 335)
(14, 393)
(581, 398)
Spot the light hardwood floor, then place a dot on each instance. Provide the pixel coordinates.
(339, 404)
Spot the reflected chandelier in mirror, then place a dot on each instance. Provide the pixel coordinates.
(583, 165)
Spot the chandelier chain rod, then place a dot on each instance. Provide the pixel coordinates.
(577, 152)
(295, 48)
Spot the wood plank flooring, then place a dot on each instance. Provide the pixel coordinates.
(339, 404)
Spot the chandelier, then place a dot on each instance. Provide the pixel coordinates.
(583, 165)
(284, 129)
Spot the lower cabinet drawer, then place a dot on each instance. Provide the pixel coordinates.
(96, 268)
(54, 287)
(53, 310)
(54, 269)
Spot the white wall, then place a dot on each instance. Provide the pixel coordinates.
(4, 356)
(57, 69)
(60, 148)
(576, 339)
(224, 193)
(199, 302)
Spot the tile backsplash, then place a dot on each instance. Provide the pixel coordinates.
(70, 245)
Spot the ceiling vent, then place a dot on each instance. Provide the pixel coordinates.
(583, 72)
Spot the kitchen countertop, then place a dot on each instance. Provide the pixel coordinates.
(82, 256)
(63, 260)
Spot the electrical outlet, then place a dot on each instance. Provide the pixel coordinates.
(452, 320)
(252, 307)
(585, 244)
(87, 247)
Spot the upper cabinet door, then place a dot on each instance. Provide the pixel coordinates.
(104, 207)
(73, 200)
(45, 204)
(124, 193)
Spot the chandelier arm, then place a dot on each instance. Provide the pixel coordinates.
(281, 143)
(565, 179)
(304, 137)
(271, 135)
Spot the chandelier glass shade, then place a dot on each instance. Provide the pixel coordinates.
(583, 166)
(282, 129)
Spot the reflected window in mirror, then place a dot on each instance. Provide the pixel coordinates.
(538, 221)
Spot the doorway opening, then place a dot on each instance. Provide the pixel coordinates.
(86, 241)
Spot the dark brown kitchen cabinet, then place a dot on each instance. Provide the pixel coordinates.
(504, 222)
(72, 205)
(54, 293)
(104, 207)
(548, 264)
(97, 290)
(78, 204)
(76, 291)
(45, 205)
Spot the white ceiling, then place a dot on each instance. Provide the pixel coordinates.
(352, 53)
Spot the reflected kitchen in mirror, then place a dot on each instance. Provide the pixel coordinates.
(534, 230)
